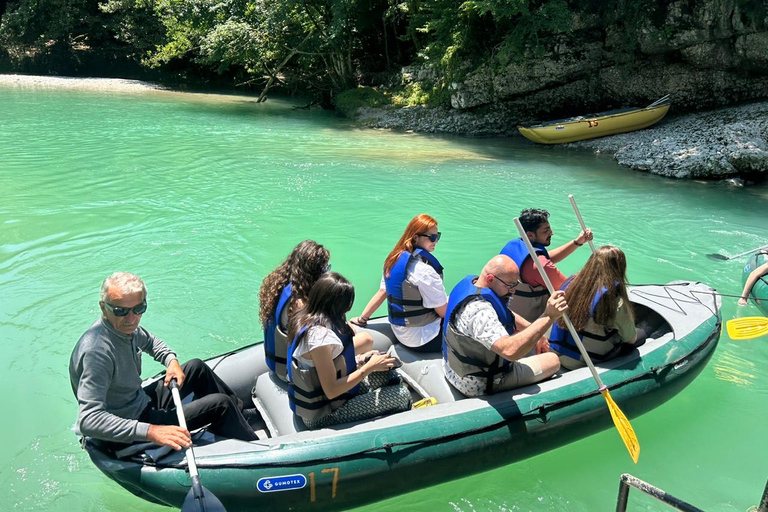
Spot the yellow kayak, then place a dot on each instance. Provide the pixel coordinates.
(597, 125)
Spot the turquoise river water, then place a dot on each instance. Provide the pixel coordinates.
(204, 195)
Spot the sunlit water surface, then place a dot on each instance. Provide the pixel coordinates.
(204, 195)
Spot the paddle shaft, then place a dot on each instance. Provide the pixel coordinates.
(183, 424)
(747, 252)
(581, 221)
(567, 320)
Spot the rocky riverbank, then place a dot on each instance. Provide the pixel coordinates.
(729, 143)
(726, 143)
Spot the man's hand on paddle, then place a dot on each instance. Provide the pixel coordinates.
(174, 371)
(169, 435)
(585, 236)
(556, 305)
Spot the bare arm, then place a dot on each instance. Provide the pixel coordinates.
(377, 300)
(565, 250)
(751, 280)
(332, 387)
(517, 345)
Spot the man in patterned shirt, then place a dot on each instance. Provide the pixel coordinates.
(486, 345)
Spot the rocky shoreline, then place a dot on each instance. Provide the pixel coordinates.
(727, 143)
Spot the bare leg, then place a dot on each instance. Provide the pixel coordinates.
(363, 342)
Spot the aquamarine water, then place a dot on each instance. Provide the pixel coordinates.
(204, 195)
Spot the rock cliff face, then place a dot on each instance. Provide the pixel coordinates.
(704, 54)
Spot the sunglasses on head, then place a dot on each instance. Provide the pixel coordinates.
(432, 238)
(139, 309)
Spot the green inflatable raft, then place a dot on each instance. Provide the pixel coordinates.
(291, 468)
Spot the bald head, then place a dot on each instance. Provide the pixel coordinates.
(499, 270)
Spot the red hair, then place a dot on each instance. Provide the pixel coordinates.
(419, 224)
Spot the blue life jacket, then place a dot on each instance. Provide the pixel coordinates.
(305, 393)
(517, 250)
(464, 355)
(528, 301)
(405, 306)
(592, 335)
(276, 337)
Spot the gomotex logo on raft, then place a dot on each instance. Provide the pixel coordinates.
(281, 483)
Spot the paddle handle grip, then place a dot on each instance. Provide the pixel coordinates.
(551, 289)
(183, 424)
(581, 221)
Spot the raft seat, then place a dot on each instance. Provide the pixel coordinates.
(270, 397)
(424, 373)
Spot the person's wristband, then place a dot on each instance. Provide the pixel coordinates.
(363, 319)
(577, 243)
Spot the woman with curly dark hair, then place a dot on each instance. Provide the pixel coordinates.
(284, 291)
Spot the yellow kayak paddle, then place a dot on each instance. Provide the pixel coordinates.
(620, 420)
(747, 328)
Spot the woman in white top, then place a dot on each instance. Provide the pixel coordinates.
(334, 375)
(412, 285)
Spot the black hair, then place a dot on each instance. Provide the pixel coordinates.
(532, 218)
(329, 300)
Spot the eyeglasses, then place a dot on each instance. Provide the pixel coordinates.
(510, 287)
(327, 268)
(121, 311)
(432, 238)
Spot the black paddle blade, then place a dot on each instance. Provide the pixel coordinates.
(717, 257)
(208, 502)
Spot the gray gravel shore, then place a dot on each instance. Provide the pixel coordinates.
(90, 84)
(730, 142)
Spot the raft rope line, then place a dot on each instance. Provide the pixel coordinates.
(535, 413)
(689, 298)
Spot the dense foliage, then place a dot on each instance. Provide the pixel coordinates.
(326, 46)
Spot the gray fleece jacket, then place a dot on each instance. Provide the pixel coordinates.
(105, 374)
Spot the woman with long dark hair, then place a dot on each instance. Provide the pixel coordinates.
(599, 309)
(334, 375)
(412, 285)
(283, 292)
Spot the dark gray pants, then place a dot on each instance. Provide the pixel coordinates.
(214, 404)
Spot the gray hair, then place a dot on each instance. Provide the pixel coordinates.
(125, 282)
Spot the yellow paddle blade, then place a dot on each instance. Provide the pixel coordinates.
(747, 328)
(626, 431)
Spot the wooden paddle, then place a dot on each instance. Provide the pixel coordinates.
(581, 221)
(720, 257)
(747, 328)
(199, 499)
(626, 431)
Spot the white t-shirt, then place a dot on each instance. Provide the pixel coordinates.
(478, 320)
(317, 336)
(433, 295)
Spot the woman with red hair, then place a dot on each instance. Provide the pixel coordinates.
(412, 285)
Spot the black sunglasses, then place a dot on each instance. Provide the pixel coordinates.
(139, 309)
(432, 238)
(510, 287)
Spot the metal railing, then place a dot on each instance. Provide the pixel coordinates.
(628, 481)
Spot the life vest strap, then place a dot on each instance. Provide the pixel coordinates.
(531, 295)
(404, 302)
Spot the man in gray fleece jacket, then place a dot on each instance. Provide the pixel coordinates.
(105, 374)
